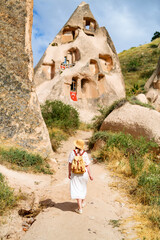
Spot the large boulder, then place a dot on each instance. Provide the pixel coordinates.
(134, 119)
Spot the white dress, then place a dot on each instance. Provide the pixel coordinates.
(78, 183)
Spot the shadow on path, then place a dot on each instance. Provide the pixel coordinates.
(64, 206)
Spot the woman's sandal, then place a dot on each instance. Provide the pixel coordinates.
(78, 211)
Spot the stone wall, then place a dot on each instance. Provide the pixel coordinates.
(21, 123)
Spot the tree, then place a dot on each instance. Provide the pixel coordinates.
(155, 35)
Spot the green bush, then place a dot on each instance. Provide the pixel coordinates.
(133, 65)
(22, 159)
(59, 114)
(7, 198)
(155, 35)
(153, 46)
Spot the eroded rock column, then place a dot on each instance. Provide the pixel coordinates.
(21, 122)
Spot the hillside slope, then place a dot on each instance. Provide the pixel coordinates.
(138, 64)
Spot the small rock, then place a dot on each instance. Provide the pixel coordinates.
(24, 224)
(30, 221)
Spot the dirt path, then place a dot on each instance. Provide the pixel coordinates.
(104, 210)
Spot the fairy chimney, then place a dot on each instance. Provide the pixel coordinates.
(81, 66)
(21, 122)
(152, 88)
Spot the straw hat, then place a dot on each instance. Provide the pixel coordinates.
(79, 143)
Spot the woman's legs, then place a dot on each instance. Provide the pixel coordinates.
(79, 201)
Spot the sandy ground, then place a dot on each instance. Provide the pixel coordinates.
(105, 206)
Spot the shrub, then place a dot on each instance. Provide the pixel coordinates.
(22, 159)
(153, 46)
(155, 35)
(133, 65)
(59, 114)
(7, 198)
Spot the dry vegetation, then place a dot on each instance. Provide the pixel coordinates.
(138, 64)
(136, 163)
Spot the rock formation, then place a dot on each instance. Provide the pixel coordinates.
(134, 119)
(21, 122)
(81, 66)
(152, 87)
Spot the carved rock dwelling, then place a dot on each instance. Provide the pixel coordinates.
(81, 66)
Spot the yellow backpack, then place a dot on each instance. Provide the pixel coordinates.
(78, 164)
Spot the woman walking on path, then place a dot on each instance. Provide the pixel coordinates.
(78, 184)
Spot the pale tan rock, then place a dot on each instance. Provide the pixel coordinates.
(92, 65)
(142, 98)
(134, 119)
(21, 121)
(98, 144)
(152, 87)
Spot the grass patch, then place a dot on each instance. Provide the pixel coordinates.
(135, 101)
(137, 66)
(7, 198)
(137, 159)
(24, 161)
(115, 223)
(57, 135)
(85, 126)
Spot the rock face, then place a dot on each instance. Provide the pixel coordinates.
(21, 122)
(81, 66)
(152, 87)
(134, 119)
(142, 98)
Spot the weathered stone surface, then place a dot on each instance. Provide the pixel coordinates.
(134, 119)
(91, 62)
(152, 87)
(21, 122)
(142, 98)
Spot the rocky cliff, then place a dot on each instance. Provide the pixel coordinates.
(21, 122)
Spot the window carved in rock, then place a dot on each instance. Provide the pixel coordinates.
(93, 66)
(73, 55)
(106, 62)
(89, 25)
(69, 34)
(74, 85)
(48, 70)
